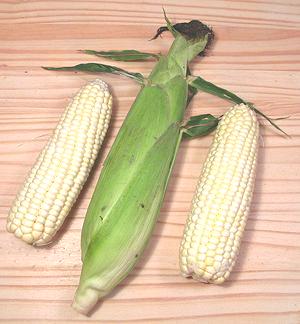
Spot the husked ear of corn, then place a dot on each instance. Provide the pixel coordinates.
(62, 167)
(221, 203)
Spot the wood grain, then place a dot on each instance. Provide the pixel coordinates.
(256, 54)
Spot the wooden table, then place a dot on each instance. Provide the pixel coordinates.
(256, 54)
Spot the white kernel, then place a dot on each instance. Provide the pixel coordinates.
(51, 218)
(40, 219)
(199, 272)
(203, 249)
(211, 246)
(11, 227)
(25, 229)
(27, 222)
(30, 216)
(48, 230)
(17, 221)
(214, 239)
(206, 276)
(33, 209)
(19, 215)
(58, 203)
(18, 232)
(218, 257)
(22, 209)
(56, 208)
(46, 206)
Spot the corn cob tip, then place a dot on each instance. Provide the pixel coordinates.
(101, 83)
(86, 299)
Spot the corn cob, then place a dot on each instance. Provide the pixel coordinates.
(221, 203)
(62, 167)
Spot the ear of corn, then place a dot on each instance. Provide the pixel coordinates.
(133, 181)
(62, 167)
(221, 203)
(124, 233)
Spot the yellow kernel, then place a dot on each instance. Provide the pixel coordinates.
(209, 261)
(210, 253)
(28, 238)
(38, 227)
(206, 276)
(36, 235)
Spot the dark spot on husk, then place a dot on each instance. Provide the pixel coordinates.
(103, 208)
(142, 205)
(132, 159)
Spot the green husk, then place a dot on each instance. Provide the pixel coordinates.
(99, 68)
(133, 181)
(124, 56)
(201, 125)
(199, 83)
